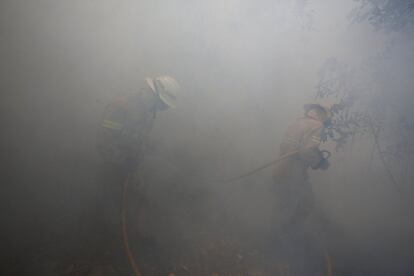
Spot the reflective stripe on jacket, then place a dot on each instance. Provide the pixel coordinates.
(111, 125)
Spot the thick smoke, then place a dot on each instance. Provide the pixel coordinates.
(246, 69)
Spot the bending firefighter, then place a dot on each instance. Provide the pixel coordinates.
(122, 139)
(128, 120)
(294, 196)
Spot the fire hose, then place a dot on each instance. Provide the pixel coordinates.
(326, 155)
(258, 169)
(125, 238)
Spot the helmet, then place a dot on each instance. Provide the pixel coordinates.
(166, 88)
(326, 107)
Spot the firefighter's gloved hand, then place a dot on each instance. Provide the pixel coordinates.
(324, 165)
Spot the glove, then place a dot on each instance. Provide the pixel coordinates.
(324, 164)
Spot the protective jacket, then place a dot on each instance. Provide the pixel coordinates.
(304, 136)
(125, 125)
(293, 192)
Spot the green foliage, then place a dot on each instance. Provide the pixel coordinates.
(388, 15)
(339, 82)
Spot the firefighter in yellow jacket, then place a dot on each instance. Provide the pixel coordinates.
(294, 196)
(304, 136)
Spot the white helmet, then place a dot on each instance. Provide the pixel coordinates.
(166, 88)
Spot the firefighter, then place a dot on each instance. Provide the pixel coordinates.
(294, 197)
(121, 142)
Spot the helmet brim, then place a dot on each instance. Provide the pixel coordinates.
(162, 95)
(167, 101)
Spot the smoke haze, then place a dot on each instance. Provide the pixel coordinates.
(246, 68)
